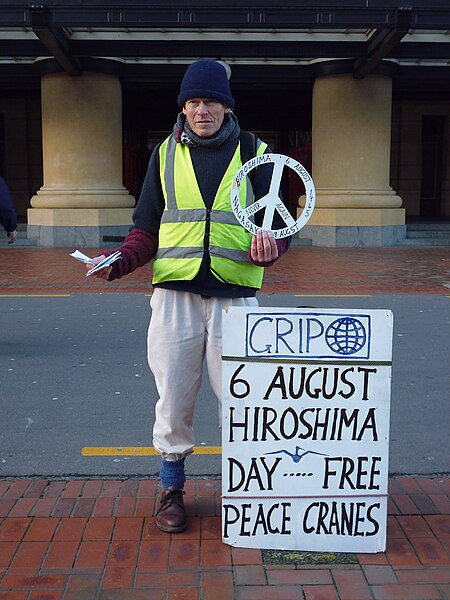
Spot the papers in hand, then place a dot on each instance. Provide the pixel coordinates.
(98, 267)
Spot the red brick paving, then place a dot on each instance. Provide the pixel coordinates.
(97, 540)
(300, 270)
(116, 557)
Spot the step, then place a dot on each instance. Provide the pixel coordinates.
(427, 233)
(425, 242)
(21, 242)
(22, 238)
(423, 235)
(443, 226)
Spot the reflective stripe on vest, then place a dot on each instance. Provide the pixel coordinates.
(185, 222)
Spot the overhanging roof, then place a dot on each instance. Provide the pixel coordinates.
(292, 41)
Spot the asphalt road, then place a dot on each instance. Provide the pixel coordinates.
(73, 374)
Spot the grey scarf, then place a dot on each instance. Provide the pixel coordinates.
(229, 130)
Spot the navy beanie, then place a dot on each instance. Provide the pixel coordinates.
(206, 79)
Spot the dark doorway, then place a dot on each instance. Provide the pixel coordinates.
(433, 134)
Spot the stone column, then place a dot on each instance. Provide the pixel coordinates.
(82, 198)
(351, 137)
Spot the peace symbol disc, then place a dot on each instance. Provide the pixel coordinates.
(272, 202)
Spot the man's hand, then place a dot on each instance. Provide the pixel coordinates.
(12, 236)
(264, 248)
(103, 273)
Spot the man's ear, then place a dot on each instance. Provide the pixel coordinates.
(227, 109)
(184, 109)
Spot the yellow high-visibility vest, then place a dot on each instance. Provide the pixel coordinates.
(186, 223)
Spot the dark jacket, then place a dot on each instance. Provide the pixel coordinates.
(8, 217)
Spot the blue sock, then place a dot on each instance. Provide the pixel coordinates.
(172, 473)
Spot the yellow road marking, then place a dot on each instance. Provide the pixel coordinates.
(139, 450)
(35, 295)
(333, 295)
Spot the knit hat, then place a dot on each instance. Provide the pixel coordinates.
(206, 79)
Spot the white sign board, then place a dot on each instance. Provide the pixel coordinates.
(271, 202)
(306, 396)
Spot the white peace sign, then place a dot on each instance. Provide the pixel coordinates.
(272, 202)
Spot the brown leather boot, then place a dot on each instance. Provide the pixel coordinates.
(171, 515)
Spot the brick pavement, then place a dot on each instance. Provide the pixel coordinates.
(96, 540)
(301, 270)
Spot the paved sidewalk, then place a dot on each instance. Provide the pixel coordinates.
(86, 540)
(96, 539)
(301, 271)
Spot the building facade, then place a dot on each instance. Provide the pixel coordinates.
(358, 91)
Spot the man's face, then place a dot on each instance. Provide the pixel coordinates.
(205, 116)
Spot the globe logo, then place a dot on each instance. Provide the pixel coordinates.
(346, 336)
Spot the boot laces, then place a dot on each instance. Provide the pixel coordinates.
(174, 496)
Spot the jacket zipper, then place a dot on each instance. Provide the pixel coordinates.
(207, 230)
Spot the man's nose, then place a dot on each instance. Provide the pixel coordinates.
(202, 107)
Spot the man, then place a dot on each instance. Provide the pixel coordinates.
(204, 261)
(8, 217)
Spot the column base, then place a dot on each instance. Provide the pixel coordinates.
(353, 228)
(67, 199)
(355, 199)
(78, 228)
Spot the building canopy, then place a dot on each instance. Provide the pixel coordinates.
(266, 43)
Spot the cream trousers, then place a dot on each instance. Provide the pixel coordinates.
(185, 330)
